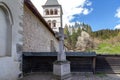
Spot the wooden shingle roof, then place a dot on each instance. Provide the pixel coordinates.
(72, 54)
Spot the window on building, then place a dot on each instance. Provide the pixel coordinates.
(47, 12)
(54, 23)
(52, 46)
(51, 12)
(56, 11)
(5, 33)
(49, 23)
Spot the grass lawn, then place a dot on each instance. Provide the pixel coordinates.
(106, 48)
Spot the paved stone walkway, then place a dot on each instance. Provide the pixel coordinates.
(75, 76)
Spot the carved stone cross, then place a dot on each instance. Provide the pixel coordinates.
(61, 67)
(61, 54)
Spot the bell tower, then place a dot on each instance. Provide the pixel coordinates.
(52, 13)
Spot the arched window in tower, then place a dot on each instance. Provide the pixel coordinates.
(56, 11)
(51, 12)
(47, 12)
(49, 23)
(54, 23)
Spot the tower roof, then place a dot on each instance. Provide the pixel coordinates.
(52, 2)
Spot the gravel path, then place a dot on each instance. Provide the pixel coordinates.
(75, 76)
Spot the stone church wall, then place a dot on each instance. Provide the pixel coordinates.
(23, 31)
(9, 64)
(37, 37)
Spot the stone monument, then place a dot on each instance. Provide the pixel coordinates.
(61, 67)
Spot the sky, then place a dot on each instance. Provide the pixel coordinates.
(99, 14)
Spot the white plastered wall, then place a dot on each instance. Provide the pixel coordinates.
(9, 65)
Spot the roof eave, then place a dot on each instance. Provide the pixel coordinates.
(51, 5)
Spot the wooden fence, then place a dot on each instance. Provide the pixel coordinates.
(108, 63)
(37, 62)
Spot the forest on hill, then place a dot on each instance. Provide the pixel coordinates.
(80, 37)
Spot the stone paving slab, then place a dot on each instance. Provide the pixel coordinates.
(75, 76)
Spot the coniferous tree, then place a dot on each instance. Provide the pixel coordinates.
(79, 31)
(73, 38)
(68, 39)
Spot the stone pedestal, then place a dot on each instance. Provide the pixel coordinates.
(61, 70)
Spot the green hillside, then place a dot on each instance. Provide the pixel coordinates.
(109, 46)
(104, 41)
(105, 48)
